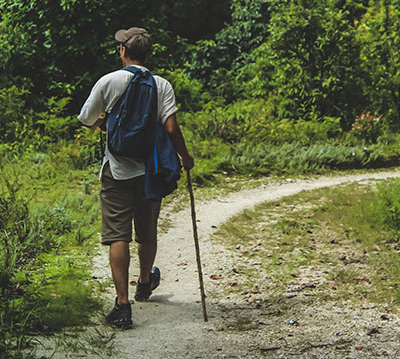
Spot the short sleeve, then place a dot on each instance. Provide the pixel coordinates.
(93, 106)
(166, 101)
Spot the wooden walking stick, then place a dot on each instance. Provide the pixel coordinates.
(196, 244)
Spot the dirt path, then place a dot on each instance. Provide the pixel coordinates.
(170, 325)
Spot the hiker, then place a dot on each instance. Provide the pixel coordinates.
(122, 178)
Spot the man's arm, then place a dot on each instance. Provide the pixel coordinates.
(100, 123)
(175, 134)
(93, 107)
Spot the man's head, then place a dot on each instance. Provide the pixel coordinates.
(136, 42)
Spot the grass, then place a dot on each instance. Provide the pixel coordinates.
(58, 195)
(47, 237)
(80, 343)
(332, 237)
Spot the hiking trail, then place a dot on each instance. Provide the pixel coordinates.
(170, 324)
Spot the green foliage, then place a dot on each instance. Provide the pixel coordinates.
(250, 121)
(307, 67)
(196, 19)
(386, 207)
(13, 119)
(378, 34)
(53, 125)
(367, 127)
(64, 46)
(233, 43)
(14, 230)
(295, 158)
(189, 92)
(43, 279)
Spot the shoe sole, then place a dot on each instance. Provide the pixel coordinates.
(155, 277)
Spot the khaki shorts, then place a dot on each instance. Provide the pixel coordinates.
(122, 201)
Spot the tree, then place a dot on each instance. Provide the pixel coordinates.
(59, 48)
(309, 65)
(212, 59)
(379, 35)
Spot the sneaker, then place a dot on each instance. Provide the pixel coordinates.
(120, 315)
(144, 291)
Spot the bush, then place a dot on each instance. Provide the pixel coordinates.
(53, 125)
(386, 207)
(13, 120)
(367, 127)
(308, 67)
(378, 34)
(41, 285)
(294, 158)
(189, 93)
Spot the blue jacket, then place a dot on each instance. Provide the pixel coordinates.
(163, 167)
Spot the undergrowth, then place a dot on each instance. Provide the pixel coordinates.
(347, 236)
(47, 217)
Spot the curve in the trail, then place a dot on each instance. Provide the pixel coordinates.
(170, 325)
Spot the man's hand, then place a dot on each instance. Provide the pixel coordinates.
(188, 162)
(100, 123)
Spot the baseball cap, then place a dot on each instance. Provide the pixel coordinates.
(136, 39)
(124, 36)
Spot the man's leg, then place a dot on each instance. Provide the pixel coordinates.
(147, 253)
(119, 261)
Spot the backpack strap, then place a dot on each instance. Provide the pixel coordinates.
(136, 70)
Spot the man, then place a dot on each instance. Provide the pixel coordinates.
(122, 178)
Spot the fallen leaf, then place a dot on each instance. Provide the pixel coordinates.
(233, 283)
(291, 295)
(133, 282)
(184, 263)
(215, 276)
(359, 347)
(373, 331)
(265, 348)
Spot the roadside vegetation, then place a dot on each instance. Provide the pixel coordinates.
(349, 232)
(266, 88)
(314, 269)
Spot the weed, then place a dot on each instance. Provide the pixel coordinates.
(337, 240)
(43, 279)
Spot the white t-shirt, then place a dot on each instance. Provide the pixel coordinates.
(103, 97)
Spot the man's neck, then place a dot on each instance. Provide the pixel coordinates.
(128, 62)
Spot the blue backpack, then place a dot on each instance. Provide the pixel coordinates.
(132, 120)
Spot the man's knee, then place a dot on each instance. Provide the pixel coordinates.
(146, 242)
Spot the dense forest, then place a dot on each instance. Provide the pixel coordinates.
(263, 87)
(258, 82)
